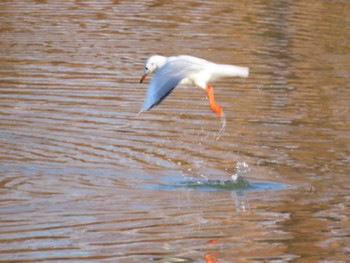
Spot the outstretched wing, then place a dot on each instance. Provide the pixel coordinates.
(167, 78)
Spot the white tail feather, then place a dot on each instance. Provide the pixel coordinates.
(232, 71)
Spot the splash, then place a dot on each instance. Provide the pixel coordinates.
(223, 126)
(242, 168)
(214, 185)
(236, 182)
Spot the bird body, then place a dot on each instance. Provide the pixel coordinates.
(185, 70)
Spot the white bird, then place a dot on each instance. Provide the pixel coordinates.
(185, 70)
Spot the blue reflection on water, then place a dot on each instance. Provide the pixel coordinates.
(240, 184)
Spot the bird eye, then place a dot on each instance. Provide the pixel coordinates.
(146, 68)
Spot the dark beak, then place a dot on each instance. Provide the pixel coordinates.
(143, 78)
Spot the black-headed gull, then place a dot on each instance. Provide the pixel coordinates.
(185, 70)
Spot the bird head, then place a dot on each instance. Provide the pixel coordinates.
(152, 64)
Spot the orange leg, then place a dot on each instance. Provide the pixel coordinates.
(213, 105)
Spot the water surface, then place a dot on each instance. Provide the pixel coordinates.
(83, 178)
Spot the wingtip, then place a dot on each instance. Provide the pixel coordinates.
(144, 109)
(139, 112)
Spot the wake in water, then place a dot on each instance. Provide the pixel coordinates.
(236, 182)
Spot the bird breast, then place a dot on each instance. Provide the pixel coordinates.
(198, 79)
(187, 82)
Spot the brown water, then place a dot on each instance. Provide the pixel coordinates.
(84, 179)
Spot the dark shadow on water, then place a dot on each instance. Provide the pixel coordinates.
(240, 184)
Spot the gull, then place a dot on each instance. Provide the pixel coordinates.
(169, 72)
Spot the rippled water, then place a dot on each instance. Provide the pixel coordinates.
(86, 179)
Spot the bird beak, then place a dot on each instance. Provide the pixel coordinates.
(143, 78)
